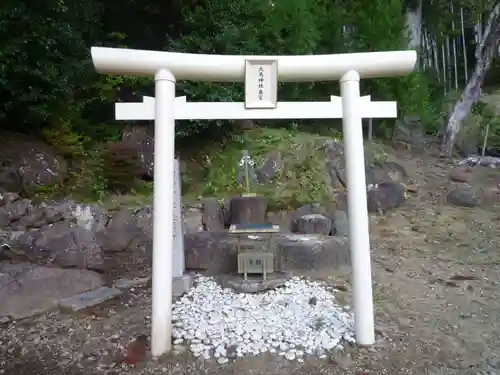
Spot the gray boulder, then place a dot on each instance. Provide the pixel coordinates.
(64, 244)
(464, 196)
(312, 224)
(27, 289)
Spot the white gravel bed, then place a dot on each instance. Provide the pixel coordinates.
(301, 318)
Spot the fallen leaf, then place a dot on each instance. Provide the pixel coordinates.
(136, 351)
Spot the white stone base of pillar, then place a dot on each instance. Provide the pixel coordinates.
(181, 285)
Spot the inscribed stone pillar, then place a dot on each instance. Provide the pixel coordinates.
(178, 245)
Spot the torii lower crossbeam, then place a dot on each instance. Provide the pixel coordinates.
(185, 110)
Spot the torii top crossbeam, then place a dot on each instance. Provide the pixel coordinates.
(221, 68)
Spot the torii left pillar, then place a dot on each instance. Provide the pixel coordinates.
(163, 206)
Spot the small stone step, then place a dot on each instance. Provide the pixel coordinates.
(131, 283)
(89, 299)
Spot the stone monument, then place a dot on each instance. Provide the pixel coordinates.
(246, 172)
(248, 208)
(181, 281)
(257, 270)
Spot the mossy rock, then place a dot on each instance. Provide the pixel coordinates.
(303, 178)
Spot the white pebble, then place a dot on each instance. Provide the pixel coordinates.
(209, 319)
(222, 360)
(290, 356)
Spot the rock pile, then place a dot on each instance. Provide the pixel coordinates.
(64, 242)
(67, 240)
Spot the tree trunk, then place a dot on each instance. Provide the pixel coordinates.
(436, 59)
(414, 24)
(464, 46)
(454, 41)
(443, 57)
(486, 50)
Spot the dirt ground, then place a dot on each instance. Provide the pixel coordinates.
(436, 293)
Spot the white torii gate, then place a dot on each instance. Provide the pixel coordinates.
(260, 75)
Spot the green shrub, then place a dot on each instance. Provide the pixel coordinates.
(121, 166)
(65, 142)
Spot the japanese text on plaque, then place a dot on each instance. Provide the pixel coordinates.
(261, 83)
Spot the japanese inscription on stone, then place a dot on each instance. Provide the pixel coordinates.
(177, 201)
(178, 239)
(261, 86)
(256, 262)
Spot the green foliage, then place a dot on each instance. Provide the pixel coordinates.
(494, 138)
(295, 27)
(243, 27)
(488, 113)
(89, 181)
(483, 113)
(376, 154)
(44, 59)
(302, 180)
(121, 166)
(144, 188)
(86, 181)
(379, 25)
(65, 141)
(48, 85)
(48, 46)
(40, 193)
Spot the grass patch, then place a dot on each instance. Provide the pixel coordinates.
(380, 293)
(212, 172)
(115, 202)
(140, 196)
(302, 180)
(486, 112)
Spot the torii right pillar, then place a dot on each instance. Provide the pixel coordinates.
(359, 236)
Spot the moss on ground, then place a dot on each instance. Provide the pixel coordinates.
(302, 180)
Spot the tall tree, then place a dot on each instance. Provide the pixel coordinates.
(486, 50)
